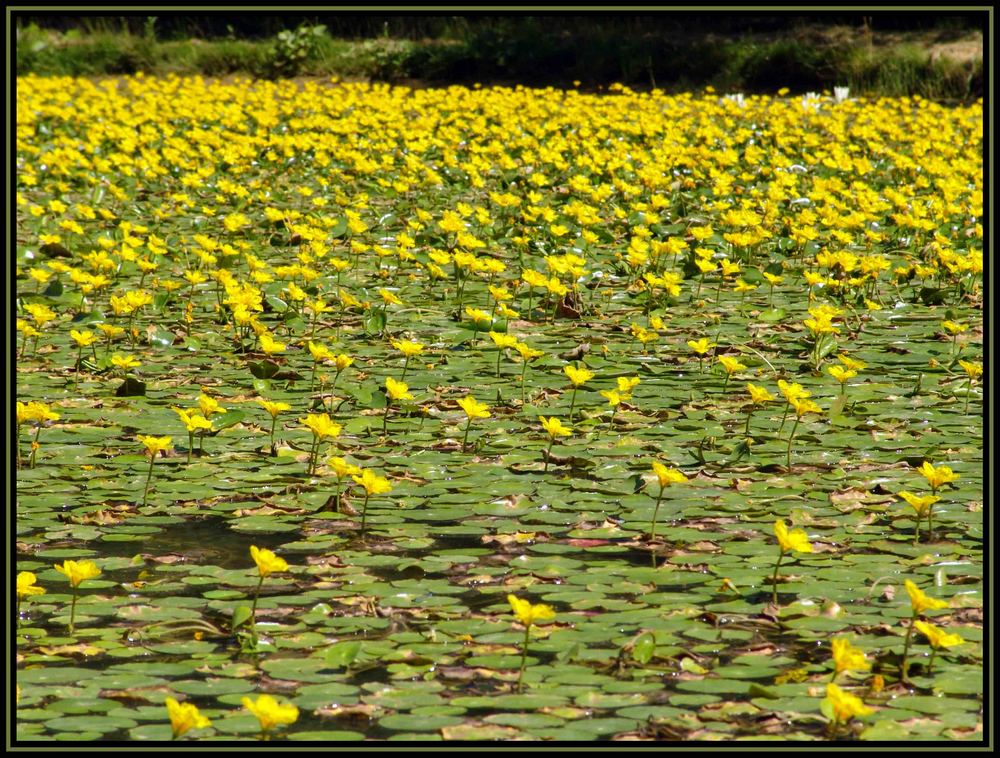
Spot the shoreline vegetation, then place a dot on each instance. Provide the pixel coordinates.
(944, 63)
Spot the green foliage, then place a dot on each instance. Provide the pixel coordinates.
(292, 49)
(530, 50)
(908, 70)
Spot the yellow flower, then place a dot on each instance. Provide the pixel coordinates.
(529, 614)
(578, 376)
(155, 445)
(342, 361)
(972, 368)
(528, 353)
(938, 637)
(803, 406)
(342, 468)
(847, 657)
(701, 346)
(555, 427)
(759, 395)
(478, 315)
(26, 586)
(77, 572)
(320, 352)
(792, 390)
(921, 602)
(321, 425)
(821, 325)
(373, 484)
(728, 267)
(503, 341)
(614, 397)
(732, 365)
(920, 504)
(184, 717)
(209, 405)
(937, 476)
(270, 345)
(35, 411)
(83, 339)
(111, 331)
(124, 362)
(851, 363)
(473, 408)
(796, 540)
(267, 562)
(389, 298)
(270, 712)
(409, 349)
(667, 476)
(397, 390)
(626, 384)
(844, 705)
(274, 408)
(42, 314)
(192, 420)
(840, 373)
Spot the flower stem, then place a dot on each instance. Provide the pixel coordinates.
(572, 404)
(253, 611)
(652, 530)
(548, 450)
(904, 665)
(467, 427)
(72, 612)
(149, 477)
(774, 579)
(524, 658)
(790, 438)
(312, 456)
(784, 416)
(364, 514)
(34, 446)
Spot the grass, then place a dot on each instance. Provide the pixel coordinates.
(805, 60)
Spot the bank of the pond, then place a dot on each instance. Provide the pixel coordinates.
(944, 65)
